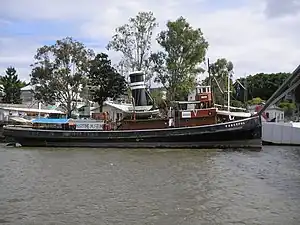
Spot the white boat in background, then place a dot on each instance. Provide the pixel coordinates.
(129, 110)
(20, 120)
(275, 131)
(281, 133)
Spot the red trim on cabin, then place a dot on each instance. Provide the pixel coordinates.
(197, 113)
(258, 108)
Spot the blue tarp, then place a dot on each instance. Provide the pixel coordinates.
(52, 121)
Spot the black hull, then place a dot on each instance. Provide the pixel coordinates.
(245, 133)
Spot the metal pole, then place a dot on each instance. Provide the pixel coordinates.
(281, 89)
(295, 85)
(228, 92)
(40, 107)
(246, 92)
(209, 77)
(210, 83)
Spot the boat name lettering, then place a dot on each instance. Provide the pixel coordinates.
(186, 114)
(89, 126)
(195, 112)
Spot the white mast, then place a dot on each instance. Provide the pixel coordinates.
(40, 108)
(228, 93)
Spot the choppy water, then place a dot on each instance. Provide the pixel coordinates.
(88, 186)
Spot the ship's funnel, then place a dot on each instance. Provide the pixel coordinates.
(141, 98)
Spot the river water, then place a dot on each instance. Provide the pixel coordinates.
(122, 186)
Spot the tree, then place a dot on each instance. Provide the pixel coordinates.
(133, 40)
(219, 71)
(176, 67)
(255, 101)
(59, 72)
(288, 107)
(236, 103)
(11, 86)
(158, 97)
(262, 85)
(104, 81)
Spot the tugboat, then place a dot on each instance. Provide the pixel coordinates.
(190, 124)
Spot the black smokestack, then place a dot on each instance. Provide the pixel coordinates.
(138, 89)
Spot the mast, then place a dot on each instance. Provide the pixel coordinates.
(210, 83)
(208, 69)
(246, 92)
(228, 92)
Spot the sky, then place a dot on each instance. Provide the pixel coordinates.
(256, 35)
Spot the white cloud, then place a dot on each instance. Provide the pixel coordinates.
(253, 42)
(245, 34)
(17, 52)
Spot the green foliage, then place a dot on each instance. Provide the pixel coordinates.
(288, 107)
(176, 67)
(158, 98)
(11, 87)
(59, 72)
(133, 40)
(236, 103)
(104, 81)
(262, 85)
(219, 71)
(85, 92)
(255, 101)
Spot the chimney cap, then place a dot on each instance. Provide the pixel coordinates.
(137, 72)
